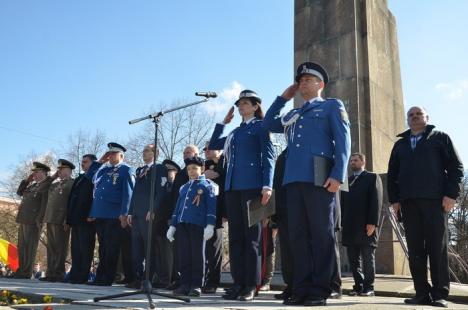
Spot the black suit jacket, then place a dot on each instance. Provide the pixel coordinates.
(80, 201)
(139, 204)
(361, 206)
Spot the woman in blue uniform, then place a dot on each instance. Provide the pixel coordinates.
(249, 156)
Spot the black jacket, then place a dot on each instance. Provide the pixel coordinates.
(280, 190)
(139, 204)
(220, 205)
(361, 206)
(432, 170)
(80, 201)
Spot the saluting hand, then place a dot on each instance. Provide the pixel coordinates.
(332, 185)
(266, 194)
(448, 203)
(370, 228)
(30, 178)
(290, 92)
(229, 116)
(104, 158)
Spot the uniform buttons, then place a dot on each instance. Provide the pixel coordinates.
(186, 198)
(316, 115)
(321, 153)
(298, 135)
(302, 117)
(298, 145)
(251, 164)
(300, 126)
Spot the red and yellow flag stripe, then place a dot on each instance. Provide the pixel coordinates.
(9, 254)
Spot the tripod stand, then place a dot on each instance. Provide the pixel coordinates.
(147, 288)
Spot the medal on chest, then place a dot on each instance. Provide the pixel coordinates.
(196, 200)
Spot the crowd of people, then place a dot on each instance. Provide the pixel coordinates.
(191, 204)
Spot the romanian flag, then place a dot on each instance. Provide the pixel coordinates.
(9, 254)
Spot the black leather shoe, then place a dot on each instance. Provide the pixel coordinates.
(99, 283)
(159, 285)
(335, 295)
(353, 293)
(315, 302)
(442, 303)
(195, 292)
(248, 294)
(419, 300)
(233, 293)
(48, 279)
(294, 301)
(181, 291)
(283, 295)
(209, 290)
(367, 293)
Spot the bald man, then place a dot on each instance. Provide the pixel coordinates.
(424, 178)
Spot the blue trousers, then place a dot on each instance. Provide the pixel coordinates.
(244, 252)
(312, 237)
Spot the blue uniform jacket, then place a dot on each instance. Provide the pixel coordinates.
(321, 129)
(188, 212)
(250, 160)
(113, 187)
(139, 204)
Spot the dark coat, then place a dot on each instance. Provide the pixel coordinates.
(430, 171)
(220, 181)
(139, 204)
(280, 190)
(80, 201)
(361, 206)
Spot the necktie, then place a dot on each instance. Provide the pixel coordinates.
(143, 171)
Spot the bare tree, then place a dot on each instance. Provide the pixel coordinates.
(458, 234)
(177, 129)
(83, 142)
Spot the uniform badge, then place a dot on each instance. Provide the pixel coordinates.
(196, 200)
(115, 176)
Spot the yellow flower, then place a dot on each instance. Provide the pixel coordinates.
(47, 299)
(5, 293)
(23, 301)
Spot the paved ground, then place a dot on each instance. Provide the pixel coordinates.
(82, 296)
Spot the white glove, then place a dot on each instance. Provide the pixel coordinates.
(208, 232)
(170, 233)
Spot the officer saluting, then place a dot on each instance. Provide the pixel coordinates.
(316, 132)
(55, 217)
(113, 187)
(34, 200)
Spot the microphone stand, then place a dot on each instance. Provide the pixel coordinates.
(147, 288)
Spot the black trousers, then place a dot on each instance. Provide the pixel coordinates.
(83, 239)
(109, 234)
(362, 263)
(312, 236)
(214, 257)
(425, 224)
(287, 261)
(244, 241)
(139, 243)
(163, 254)
(336, 275)
(126, 253)
(191, 249)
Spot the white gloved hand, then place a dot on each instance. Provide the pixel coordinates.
(170, 233)
(208, 232)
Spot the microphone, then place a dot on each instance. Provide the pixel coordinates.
(209, 94)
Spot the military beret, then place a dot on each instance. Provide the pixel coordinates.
(248, 94)
(170, 165)
(115, 147)
(39, 166)
(194, 161)
(313, 69)
(63, 163)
